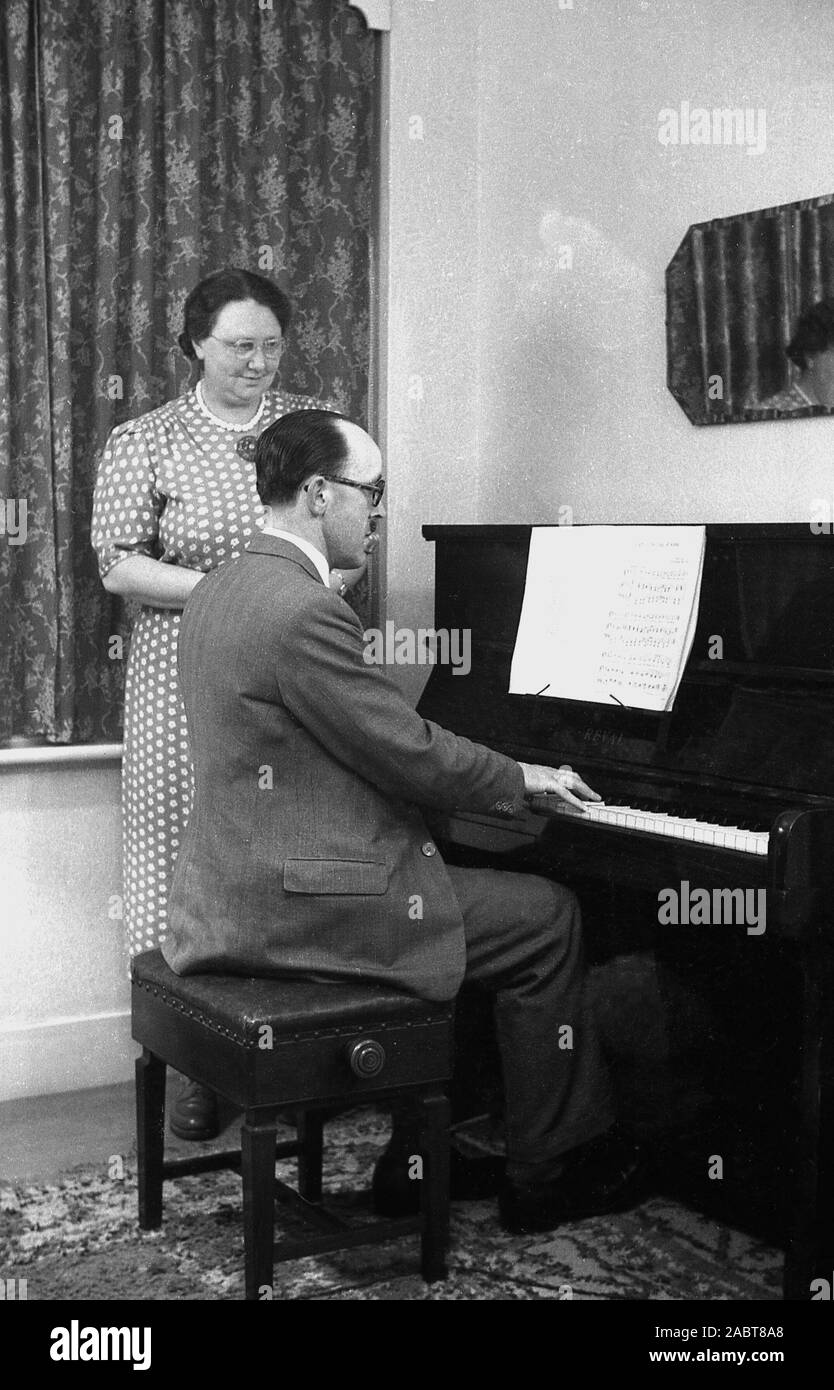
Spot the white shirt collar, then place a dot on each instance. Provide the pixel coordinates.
(311, 551)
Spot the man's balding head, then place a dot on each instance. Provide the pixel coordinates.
(301, 444)
(320, 475)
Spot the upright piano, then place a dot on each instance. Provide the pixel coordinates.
(732, 789)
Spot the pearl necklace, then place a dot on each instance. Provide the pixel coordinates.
(227, 424)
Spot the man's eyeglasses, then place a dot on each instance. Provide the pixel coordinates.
(375, 489)
(247, 347)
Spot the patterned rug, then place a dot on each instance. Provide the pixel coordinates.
(78, 1239)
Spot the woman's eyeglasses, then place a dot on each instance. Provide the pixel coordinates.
(247, 347)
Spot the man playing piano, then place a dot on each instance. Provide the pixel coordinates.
(306, 852)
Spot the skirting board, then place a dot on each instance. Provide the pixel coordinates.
(66, 1054)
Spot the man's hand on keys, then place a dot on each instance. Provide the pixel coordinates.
(561, 782)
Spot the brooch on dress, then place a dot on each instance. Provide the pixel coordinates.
(246, 447)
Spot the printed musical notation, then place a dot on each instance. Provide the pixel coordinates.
(609, 613)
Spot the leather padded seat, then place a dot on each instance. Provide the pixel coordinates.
(272, 1044)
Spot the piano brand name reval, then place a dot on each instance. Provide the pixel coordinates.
(77, 1343)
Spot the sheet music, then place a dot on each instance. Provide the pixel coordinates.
(609, 613)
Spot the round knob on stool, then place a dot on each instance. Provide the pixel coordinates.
(367, 1058)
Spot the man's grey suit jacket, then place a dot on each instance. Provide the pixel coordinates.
(305, 851)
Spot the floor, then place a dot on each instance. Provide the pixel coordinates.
(46, 1136)
(69, 1228)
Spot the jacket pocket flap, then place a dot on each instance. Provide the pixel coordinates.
(334, 876)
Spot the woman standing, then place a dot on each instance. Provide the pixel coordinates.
(175, 497)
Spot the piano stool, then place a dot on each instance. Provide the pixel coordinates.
(267, 1045)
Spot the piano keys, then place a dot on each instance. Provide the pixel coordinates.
(733, 788)
(652, 822)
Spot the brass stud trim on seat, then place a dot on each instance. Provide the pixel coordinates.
(249, 1038)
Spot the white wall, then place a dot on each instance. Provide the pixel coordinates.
(431, 401)
(572, 389)
(64, 993)
(570, 405)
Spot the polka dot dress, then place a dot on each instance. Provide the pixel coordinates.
(171, 485)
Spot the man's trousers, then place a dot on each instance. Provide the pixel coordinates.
(523, 944)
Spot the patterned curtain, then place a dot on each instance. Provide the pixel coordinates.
(144, 146)
(735, 289)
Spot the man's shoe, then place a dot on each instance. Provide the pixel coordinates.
(470, 1180)
(194, 1113)
(606, 1175)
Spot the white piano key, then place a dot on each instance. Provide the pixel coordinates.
(676, 827)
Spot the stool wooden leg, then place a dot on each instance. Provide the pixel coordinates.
(150, 1137)
(257, 1161)
(434, 1114)
(310, 1125)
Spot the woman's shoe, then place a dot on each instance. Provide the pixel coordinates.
(194, 1113)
